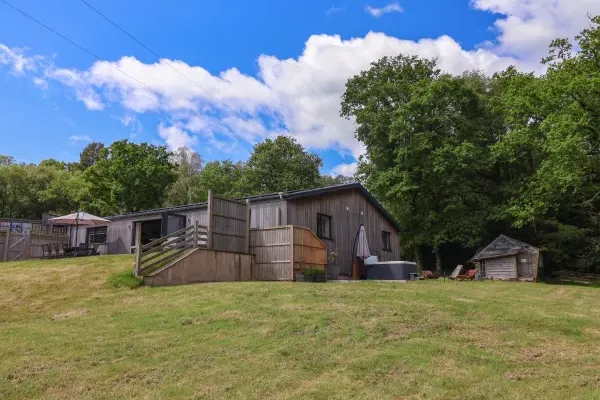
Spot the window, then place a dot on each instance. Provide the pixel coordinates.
(324, 226)
(97, 235)
(386, 240)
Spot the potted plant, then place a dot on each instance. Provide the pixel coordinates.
(313, 275)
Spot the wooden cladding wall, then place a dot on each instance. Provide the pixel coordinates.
(268, 214)
(501, 268)
(228, 224)
(281, 251)
(204, 265)
(348, 209)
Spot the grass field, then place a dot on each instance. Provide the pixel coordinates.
(66, 331)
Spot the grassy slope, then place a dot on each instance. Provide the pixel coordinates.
(66, 333)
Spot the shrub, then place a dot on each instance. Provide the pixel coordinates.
(311, 271)
(124, 279)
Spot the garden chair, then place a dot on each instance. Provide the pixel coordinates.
(82, 250)
(45, 251)
(58, 251)
(469, 276)
(68, 251)
(430, 275)
(94, 251)
(456, 272)
(50, 251)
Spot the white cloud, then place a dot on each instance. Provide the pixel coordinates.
(80, 82)
(74, 139)
(41, 83)
(176, 137)
(378, 12)
(528, 26)
(296, 96)
(334, 10)
(133, 123)
(17, 60)
(344, 169)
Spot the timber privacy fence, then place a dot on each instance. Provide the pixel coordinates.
(24, 240)
(283, 251)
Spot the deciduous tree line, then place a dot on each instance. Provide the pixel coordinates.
(460, 159)
(126, 177)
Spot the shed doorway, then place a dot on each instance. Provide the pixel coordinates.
(524, 264)
(151, 230)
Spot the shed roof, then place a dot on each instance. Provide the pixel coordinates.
(289, 195)
(502, 246)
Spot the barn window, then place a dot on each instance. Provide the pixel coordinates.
(97, 235)
(323, 226)
(386, 241)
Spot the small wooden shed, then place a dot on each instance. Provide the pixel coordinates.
(507, 258)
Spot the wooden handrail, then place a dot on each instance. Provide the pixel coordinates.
(201, 228)
(160, 252)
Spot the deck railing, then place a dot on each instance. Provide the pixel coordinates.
(160, 252)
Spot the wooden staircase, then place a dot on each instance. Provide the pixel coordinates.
(163, 252)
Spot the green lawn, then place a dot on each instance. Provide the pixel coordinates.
(66, 332)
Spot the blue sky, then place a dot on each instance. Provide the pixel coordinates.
(264, 67)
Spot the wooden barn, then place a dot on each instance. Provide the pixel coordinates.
(509, 259)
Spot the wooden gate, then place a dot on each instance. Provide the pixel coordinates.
(15, 246)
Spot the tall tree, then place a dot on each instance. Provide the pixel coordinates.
(129, 177)
(223, 177)
(188, 166)
(328, 180)
(6, 160)
(90, 154)
(279, 165)
(427, 148)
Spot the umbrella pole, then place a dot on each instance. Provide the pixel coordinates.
(354, 276)
(76, 230)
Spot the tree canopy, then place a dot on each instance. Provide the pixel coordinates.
(459, 159)
(126, 177)
(280, 165)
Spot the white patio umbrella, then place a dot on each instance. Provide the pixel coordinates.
(79, 218)
(362, 250)
(362, 247)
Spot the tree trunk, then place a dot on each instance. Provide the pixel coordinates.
(438, 260)
(419, 259)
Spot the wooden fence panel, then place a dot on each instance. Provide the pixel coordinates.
(228, 224)
(309, 251)
(272, 248)
(23, 246)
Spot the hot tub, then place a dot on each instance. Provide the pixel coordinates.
(391, 270)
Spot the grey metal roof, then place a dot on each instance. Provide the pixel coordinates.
(289, 195)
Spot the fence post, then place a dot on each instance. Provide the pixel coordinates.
(292, 235)
(248, 226)
(7, 243)
(209, 238)
(195, 235)
(138, 248)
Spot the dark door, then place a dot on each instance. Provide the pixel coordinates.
(172, 223)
